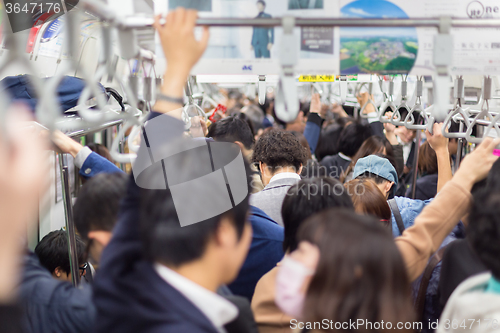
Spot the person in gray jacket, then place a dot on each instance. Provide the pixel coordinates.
(262, 38)
(279, 157)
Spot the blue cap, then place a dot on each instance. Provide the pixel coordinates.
(376, 165)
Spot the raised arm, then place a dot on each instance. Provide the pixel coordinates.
(182, 51)
(439, 218)
(440, 145)
(314, 121)
(89, 163)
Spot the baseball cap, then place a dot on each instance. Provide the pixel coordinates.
(376, 165)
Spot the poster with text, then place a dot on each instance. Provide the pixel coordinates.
(256, 50)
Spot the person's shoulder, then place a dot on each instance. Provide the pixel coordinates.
(264, 226)
(404, 202)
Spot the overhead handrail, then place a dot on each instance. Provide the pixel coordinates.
(410, 119)
(485, 111)
(459, 95)
(388, 100)
(396, 116)
(369, 101)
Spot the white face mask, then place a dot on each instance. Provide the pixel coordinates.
(289, 285)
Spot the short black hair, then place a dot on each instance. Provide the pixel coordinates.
(483, 231)
(96, 207)
(279, 148)
(306, 198)
(232, 129)
(262, 2)
(52, 251)
(352, 137)
(163, 238)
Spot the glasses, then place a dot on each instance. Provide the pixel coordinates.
(83, 268)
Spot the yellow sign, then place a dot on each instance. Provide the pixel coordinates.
(317, 78)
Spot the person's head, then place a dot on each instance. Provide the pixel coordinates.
(406, 135)
(304, 199)
(427, 160)
(261, 6)
(373, 145)
(190, 235)
(96, 210)
(278, 151)
(52, 251)
(483, 231)
(234, 99)
(358, 272)
(299, 124)
(368, 199)
(352, 137)
(233, 129)
(303, 141)
(379, 170)
(328, 142)
(255, 115)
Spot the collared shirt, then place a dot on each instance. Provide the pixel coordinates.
(345, 157)
(216, 308)
(283, 175)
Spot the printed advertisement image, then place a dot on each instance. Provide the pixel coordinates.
(376, 50)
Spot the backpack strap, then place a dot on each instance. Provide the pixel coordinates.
(397, 215)
(424, 283)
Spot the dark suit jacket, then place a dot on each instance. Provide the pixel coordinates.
(265, 252)
(262, 36)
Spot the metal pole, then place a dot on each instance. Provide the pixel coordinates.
(460, 148)
(70, 226)
(136, 22)
(415, 164)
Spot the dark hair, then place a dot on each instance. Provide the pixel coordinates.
(163, 238)
(52, 251)
(307, 197)
(101, 150)
(303, 141)
(278, 148)
(232, 129)
(483, 231)
(245, 118)
(262, 2)
(360, 272)
(375, 178)
(328, 142)
(427, 160)
(96, 207)
(374, 144)
(352, 137)
(367, 198)
(313, 169)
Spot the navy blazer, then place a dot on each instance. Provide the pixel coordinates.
(128, 293)
(265, 252)
(95, 164)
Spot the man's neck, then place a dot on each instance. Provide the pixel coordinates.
(199, 273)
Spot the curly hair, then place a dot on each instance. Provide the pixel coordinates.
(278, 148)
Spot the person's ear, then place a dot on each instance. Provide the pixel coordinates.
(226, 235)
(240, 145)
(58, 272)
(300, 169)
(101, 236)
(388, 186)
(261, 168)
